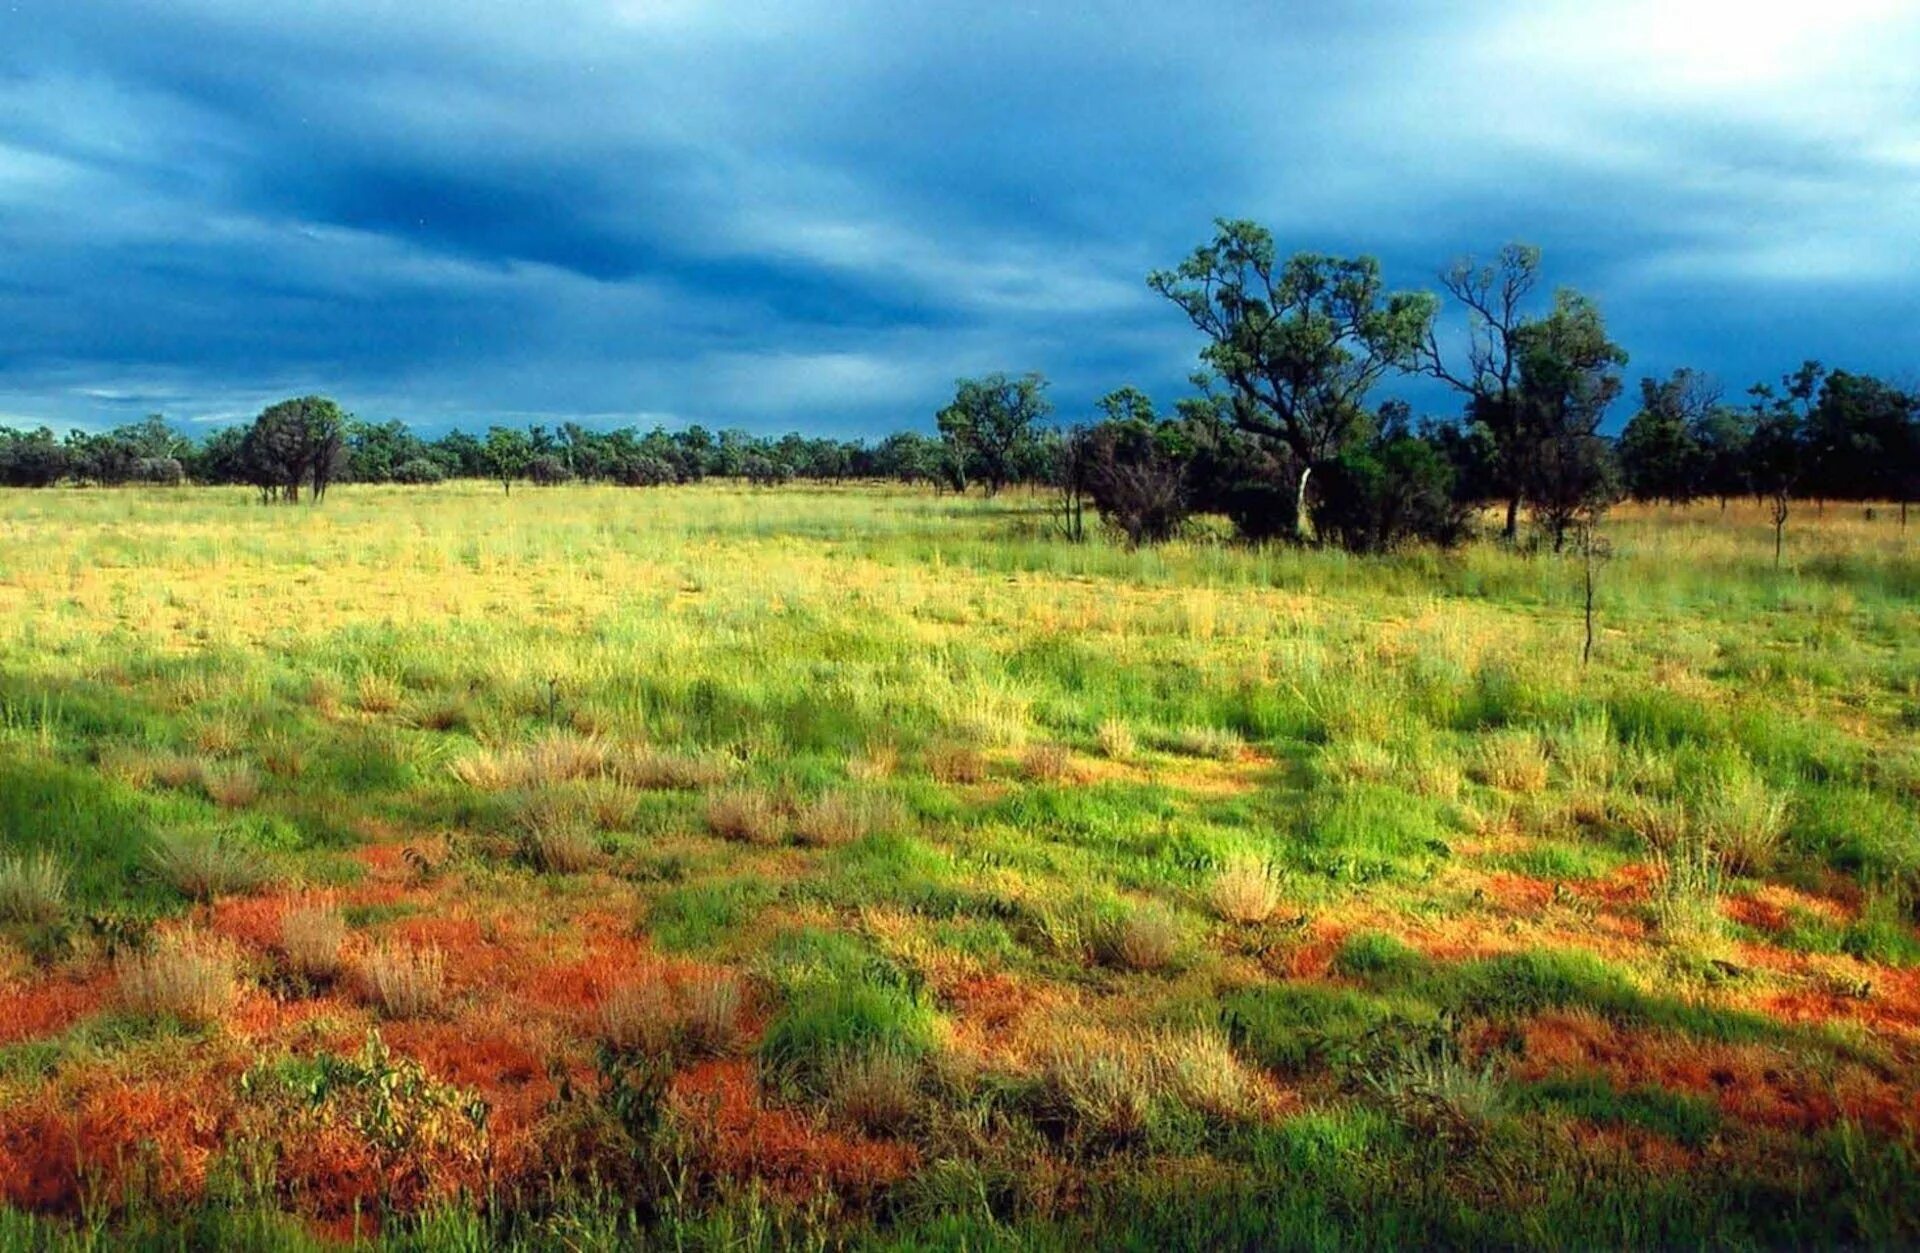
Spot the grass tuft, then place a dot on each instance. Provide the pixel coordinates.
(33, 887)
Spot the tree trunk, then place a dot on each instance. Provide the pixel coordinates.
(1301, 527)
(1512, 531)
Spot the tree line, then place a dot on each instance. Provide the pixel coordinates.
(1281, 434)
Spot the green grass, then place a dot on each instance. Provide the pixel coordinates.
(1464, 825)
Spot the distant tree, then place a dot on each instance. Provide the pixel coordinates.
(1391, 489)
(166, 471)
(462, 456)
(1855, 433)
(295, 444)
(1493, 296)
(1722, 436)
(1569, 375)
(31, 458)
(991, 420)
(507, 452)
(547, 470)
(419, 470)
(1300, 343)
(1661, 457)
(1133, 466)
(1777, 459)
(762, 470)
(376, 451)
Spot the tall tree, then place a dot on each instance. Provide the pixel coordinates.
(1661, 457)
(508, 453)
(1494, 296)
(1299, 342)
(1569, 374)
(990, 420)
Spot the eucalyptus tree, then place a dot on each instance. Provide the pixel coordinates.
(1300, 342)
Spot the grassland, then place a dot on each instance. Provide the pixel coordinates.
(719, 868)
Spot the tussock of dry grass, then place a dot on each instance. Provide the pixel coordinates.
(1117, 740)
(874, 763)
(33, 887)
(1513, 761)
(183, 975)
(313, 939)
(749, 815)
(655, 770)
(843, 817)
(1147, 938)
(956, 763)
(875, 1091)
(405, 981)
(208, 866)
(699, 1018)
(1244, 892)
(231, 786)
(1046, 763)
(556, 757)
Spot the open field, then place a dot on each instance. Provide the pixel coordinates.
(731, 868)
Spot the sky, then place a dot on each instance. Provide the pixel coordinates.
(816, 214)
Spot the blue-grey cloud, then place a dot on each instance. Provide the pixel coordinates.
(811, 214)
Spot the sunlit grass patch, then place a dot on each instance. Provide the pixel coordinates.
(33, 887)
(183, 975)
(204, 866)
(404, 980)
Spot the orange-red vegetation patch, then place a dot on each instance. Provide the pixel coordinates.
(253, 920)
(1887, 1001)
(721, 1103)
(1749, 1082)
(1630, 885)
(1752, 911)
(991, 1001)
(1517, 893)
(52, 1006)
(1645, 1149)
(102, 1134)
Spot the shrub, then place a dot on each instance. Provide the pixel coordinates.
(404, 981)
(745, 814)
(417, 471)
(184, 976)
(1244, 892)
(33, 888)
(207, 866)
(311, 938)
(956, 763)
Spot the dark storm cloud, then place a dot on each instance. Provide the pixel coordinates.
(813, 214)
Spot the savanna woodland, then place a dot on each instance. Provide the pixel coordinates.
(1270, 821)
